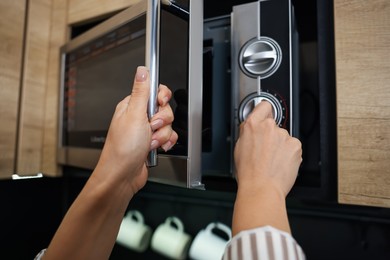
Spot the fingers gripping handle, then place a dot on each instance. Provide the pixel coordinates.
(152, 62)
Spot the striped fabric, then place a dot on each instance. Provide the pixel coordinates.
(264, 243)
(40, 254)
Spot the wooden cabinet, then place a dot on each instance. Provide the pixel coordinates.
(30, 37)
(12, 20)
(362, 38)
(32, 106)
(45, 32)
(81, 11)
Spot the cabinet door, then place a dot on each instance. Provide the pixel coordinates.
(12, 15)
(362, 35)
(32, 101)
(37, 140)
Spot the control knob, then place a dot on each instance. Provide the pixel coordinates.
(279, 109)
(260, 57)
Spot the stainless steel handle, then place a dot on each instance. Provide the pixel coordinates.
(152, 62)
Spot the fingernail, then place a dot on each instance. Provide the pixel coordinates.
(154, 145)
(167, 146)
(156, 124)
(141, 74)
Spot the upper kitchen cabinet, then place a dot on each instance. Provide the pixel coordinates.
(362, 38)
(81, 11)
(12, 22)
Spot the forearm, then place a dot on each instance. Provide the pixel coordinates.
(259, 206)
(90, 227)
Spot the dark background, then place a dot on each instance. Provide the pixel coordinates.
(32, 210)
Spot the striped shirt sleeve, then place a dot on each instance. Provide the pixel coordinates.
(40, 254)
(263, 243)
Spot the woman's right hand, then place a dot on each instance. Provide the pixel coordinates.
(266, 154)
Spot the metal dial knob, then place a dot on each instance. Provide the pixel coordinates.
(260, 57)
(249, 103)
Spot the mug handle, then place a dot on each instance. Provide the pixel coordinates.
(175, 221)
(219, 226)
(135, 214)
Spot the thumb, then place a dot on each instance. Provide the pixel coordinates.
(140, 93)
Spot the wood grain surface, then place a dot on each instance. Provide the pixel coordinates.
(362, 38)
(33, 93)
(59, 35)
(81, 11)
(12, 14)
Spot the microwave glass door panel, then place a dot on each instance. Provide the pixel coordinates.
(98, 70)
(97, 77)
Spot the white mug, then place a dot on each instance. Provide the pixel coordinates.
(133, 233)
(170, 240)
(208, 245)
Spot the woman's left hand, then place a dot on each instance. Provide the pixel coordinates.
(131, 135)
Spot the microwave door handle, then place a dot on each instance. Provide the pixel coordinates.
(152, 63)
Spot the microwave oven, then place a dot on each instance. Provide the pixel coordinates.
(97, 69)
(228, 57)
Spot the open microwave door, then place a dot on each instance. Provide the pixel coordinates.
(181, 63)
(97, 68)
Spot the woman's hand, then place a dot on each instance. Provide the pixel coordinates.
(267, 160)
(131, 136)
(90, 227)
(265, 154)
